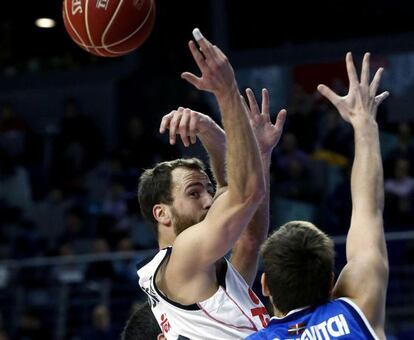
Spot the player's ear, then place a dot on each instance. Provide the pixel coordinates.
(265, 289)
(160, 337)
(161, 214)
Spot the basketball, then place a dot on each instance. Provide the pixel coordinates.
(109, 28)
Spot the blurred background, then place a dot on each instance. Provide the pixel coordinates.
(76, 131)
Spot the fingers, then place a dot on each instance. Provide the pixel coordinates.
(365, 70)
(197, 55)
(183, 122)
(192, 79)
(280, 119)
(183, 127)
(165, 121)
(381, 97)
(253, 106)
(265, 104)
(192, 128)
(350, 67)
(206, 47)
(328, 94)
(373, 88)
(174, 124)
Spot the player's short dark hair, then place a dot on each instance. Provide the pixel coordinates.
(155, 185)
(141, 325)
(298, 260)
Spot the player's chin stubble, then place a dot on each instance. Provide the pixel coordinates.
(182, 222)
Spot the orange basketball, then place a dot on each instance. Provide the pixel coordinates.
(109, 28)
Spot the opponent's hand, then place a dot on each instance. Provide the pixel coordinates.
(267, 134)
(186, 123)
(362, 100)
(217, 74)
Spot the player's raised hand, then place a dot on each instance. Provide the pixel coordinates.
(362, 100)
(186, 123)
(267, 133)
(217, 74)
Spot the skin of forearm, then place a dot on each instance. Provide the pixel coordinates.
(214, 141)
(244, 165)
(245, 254)
(367, 191)
(367, 175)
(259, 226)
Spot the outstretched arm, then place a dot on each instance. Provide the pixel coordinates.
(245, 253)
(364, 278)
(197, 248)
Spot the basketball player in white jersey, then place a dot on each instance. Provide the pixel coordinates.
(194, 292)
(298, 259)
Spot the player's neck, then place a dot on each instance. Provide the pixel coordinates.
(278, 313)
(166, 239)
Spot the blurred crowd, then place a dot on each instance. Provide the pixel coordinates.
(68, 194)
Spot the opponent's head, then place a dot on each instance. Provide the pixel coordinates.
(142, 325)
(298, 262)
(175, 194)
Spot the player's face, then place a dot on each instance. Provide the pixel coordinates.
(192, 194)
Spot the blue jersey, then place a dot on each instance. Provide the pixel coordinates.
(339, 318)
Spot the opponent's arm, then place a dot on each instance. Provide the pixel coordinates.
(245, 253)
(364, 278)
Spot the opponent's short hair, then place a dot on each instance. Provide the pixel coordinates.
(298, 260)
(141, 325)
(155, 185)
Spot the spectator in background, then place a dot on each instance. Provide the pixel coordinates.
(12, 131)
(49, 215)
(403, 150)
(15, 188)
(140, 148)
(126, 269)
(75, 227)
(338, 206)
(78, 148)
(31, 328)
(68, 272)
(29, 242)
(292, 165)
(288, 153)
(101, 269)
(101, 328)
(335, 140)
(303, 118)
(115, 205)
(297, 184)
(399, 192)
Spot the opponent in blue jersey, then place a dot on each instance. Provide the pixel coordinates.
(298, 259)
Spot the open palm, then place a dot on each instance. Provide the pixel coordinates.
(361, 100)
(267, 133)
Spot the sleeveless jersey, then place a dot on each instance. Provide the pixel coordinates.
(340, 318)
(233, 312)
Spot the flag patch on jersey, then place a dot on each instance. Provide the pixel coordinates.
(297, 328)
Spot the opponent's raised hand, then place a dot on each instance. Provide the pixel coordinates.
(362, 100)
(267, 133)
(217, 74)
(186, 123)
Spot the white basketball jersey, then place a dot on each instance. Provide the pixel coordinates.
(233, 312)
